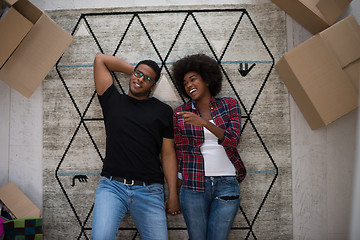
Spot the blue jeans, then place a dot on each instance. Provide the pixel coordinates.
(210, 214)
(114, 200)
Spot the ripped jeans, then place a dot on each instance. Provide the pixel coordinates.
(209, 215)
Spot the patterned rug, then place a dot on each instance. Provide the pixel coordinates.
(246, 39)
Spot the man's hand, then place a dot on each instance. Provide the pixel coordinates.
(172, 206)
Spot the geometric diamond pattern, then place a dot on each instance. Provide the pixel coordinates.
(186, 31)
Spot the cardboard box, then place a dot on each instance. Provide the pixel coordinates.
(30, 45)
(314, 15)
(17, 202)
(322, 73)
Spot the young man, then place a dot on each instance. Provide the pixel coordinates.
(138, 129)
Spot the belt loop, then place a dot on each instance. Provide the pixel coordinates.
(111, 178)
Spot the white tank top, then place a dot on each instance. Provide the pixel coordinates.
(216, 161)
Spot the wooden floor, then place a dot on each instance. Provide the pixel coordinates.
(322, 160)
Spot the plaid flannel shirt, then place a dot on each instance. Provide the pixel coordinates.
(188, 139)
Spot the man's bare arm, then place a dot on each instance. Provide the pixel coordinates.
(103, 64)
(169, 164)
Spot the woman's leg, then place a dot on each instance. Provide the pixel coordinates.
(195, 207)
(224, 206)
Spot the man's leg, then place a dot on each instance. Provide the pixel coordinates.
(109, 209)
(147, 210)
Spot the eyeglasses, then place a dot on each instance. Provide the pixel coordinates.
(139, 74)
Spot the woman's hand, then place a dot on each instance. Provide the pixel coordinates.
(172, 206)
(192, 118)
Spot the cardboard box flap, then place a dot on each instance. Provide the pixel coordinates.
(353, 72)
(297, 91)
(17, 202)
(304, 12)
(11, 2)
(311, 5)
(28, 10)
(343, 39)
(332, 9)
(35, 56)
(15, 27)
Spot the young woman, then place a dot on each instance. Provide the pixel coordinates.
(207, 132)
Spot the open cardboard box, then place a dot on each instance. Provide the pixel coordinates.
(17, 202)
(314, 15)
(30, 45)
(322, 73)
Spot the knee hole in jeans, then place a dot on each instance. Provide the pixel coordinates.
(229, 197)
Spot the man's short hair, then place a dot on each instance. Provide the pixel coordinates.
(153, 66)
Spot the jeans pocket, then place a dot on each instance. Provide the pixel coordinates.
(230, 180)
(155, 188)
(103, 179)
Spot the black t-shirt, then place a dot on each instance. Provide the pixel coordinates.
(134, 133)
